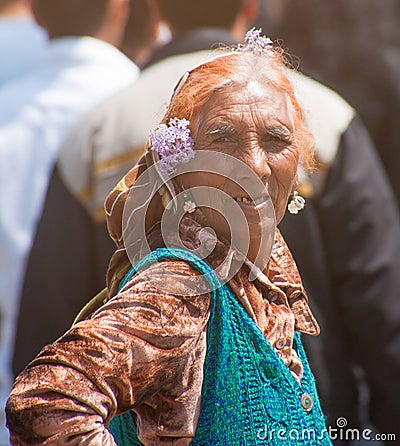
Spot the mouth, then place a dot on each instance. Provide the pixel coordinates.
(247, 202)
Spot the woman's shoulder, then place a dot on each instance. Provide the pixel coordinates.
(176, 276)
(170, 291)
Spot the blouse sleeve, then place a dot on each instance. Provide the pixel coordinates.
(137, 343)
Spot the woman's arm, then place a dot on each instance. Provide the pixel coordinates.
(136, 344)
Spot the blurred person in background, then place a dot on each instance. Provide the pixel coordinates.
(193, 28)
(22, 41)
(71, 249)
(354, 47)
(80, 67)
(351, 261)
(141, 36)
(103, 145)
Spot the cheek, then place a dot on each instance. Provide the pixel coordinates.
(284, 168)
(284, 176)
(202, 179)
(281, 182)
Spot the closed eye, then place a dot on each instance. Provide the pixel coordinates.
(276, 139)
(221, 139)
(222, 134)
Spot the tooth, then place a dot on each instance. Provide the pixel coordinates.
(259, 200)
(244, 200)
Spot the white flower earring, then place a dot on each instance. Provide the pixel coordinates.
(296, 204)
(189, 205)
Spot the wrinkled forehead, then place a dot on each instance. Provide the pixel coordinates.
(257, 102)
(223, 76)
(247, 72)
(231, 66)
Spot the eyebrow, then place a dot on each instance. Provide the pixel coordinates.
(281, 133)
(221, 129)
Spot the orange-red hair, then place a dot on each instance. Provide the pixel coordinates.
(237, 69)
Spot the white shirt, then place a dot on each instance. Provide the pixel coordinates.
(22, 44)
(36, 112)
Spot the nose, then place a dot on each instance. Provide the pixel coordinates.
(256, 163)
(253, 172)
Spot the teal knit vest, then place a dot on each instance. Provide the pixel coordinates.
(249, 396)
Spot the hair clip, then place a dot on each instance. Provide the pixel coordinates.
(180, 83)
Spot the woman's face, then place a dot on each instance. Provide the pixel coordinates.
(253, 124)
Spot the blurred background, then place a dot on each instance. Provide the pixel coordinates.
(353, 46)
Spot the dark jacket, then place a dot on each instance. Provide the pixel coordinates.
(346, 243)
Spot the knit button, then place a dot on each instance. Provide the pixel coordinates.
(280, 343)
(307, 402)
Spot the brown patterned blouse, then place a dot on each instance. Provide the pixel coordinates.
(144, 351)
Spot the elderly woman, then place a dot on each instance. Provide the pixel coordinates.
(199, 341)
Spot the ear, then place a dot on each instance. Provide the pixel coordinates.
(250, 10)
(118, 12)
(112, 30)
(245, 18)
(35, 12)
